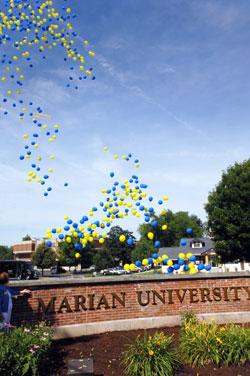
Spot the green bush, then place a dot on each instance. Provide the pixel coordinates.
(201, 342)
(151, 356)
(236, 345)
(25, 350)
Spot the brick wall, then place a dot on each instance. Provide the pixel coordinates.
(79, 301)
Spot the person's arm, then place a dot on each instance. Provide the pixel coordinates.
(15, 292)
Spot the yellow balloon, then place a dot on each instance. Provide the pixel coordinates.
(150, 235)
(164, 227)
(126, 267)
(164, 257)
(101, 240)
(159, 260)
(193, 271)
(145, 262)
(122, 238)
(105, 148)
(191, 265)
(182, 256)
(188, 255)
(68, 239)
(77, 255)
(170, 263)
(132, 267)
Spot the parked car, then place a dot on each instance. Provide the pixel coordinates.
(92, 268)
(115, 271)
(118, 270)
(108, 271)
(57, 270)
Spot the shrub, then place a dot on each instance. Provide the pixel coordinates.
(201, 342)
(25, 350)
(151, 356)
(236, 344)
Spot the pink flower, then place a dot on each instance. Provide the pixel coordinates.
(26, 330)
(32, 351)
(45, 334)
(43, 339)
(36, 346)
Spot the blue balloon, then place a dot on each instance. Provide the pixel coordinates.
(183, 242)
(208, 267)
(48, 243)
(60, 236)
(201, 266)
(21, 157)
(147, 219)
(176, 266)
(138, 263)
(181, 262)
(69, 221)
(189, 230)
(160, 202)
(157, 243)
(65, 184)
(45, 194)
(150, 260)
(165, 261)
(53, 230)
(155, 256)
(154, 223)
(170, 269)
(150, 198)
(192, 258)
(45, 176)
(130, 241)
(186, 268)
(112, 174)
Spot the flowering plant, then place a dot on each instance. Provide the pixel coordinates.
(25, 350)
(151, 356)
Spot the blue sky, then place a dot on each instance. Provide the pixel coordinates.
(172, 88)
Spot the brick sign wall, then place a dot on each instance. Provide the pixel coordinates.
(82, 301)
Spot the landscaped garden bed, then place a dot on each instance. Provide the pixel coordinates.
(108, 352)
(196, 348)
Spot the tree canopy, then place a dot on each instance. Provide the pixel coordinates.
(177, 224)
(120, 251)
(67, 252)
(228, 211)
(44, 257)
(6, 253)
(26, 237)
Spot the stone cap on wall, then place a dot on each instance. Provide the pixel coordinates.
(69, 281)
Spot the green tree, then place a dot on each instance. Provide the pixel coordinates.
(177, 224)
(6, 253)
(67, 252)
(27, 237)
(228, 211)
(103, 259)
(144, 249)
(44, 257)
(120, 251)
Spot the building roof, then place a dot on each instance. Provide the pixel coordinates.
(173, 252)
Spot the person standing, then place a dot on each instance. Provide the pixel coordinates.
(6, 294)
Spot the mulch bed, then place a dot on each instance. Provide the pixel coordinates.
(107, 351)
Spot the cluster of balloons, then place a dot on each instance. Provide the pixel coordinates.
(185, 263)
(26, 26)
(121, 200)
